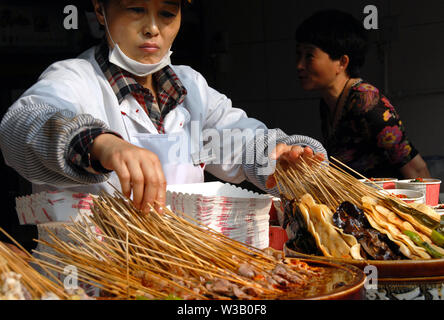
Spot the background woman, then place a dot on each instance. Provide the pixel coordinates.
(360, 126)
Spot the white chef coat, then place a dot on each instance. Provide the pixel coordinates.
(79, 85)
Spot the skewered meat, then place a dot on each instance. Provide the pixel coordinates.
(246, 270)
(283, 272)
(226, 288)
(281, 281)
(252, 292)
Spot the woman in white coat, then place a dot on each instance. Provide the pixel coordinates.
(119, 111)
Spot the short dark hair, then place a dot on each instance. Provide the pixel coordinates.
(337, 33)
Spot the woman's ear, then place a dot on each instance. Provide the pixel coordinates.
(98, 10)
(344, 62)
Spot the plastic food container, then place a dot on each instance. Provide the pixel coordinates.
(385, 183)
(430, 187)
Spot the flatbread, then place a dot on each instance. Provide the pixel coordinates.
(311, 229)
(402, 247)
(399, 223)
(390, 229)
(331, 240)
(355, 252)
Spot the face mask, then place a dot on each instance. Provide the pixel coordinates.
(120, 59)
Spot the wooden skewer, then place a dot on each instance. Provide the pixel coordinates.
(34, 282)
(170, 248)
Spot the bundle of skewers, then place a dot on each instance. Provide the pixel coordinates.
(333, 214)
(130, 254)
(20, 281)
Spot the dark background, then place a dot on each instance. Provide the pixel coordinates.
(246, 50)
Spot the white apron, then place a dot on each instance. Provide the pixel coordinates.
(172, 148)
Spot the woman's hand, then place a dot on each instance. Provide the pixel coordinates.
(139, 170)
(291, 154)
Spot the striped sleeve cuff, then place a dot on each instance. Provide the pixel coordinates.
(79, 152)
(40, 153)
(258, 172)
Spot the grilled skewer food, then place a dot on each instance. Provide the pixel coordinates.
(20, 281)
(132, 255)
(348, 219)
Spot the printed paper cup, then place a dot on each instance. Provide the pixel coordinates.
(430, 187)
(385, 183)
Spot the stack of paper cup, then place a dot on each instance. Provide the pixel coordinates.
(52, 206)
(237, 213)
(430, 187)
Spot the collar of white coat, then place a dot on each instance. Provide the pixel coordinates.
(175, 121)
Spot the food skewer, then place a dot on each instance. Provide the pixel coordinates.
(18, 271)
(129, 254)
(333, 186)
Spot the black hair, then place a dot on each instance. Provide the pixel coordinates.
(337, 33)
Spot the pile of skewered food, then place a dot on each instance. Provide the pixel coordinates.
(129, 254)
(333, 214)
(19, 280)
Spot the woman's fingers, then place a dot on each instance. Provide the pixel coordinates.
(124, 178)
(289, 154)
(137, 182)
(320, 157)
(161, 192)
(139, 170)
(155, 186)
(294, 153)
(280, 149)
(308, 152)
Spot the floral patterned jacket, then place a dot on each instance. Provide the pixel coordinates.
(367, 133)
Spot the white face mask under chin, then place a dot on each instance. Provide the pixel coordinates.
(117, 57)
(120, 59)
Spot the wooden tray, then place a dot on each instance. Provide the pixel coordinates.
(395, 269)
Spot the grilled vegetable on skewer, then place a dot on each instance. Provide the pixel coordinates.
(417, 239)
